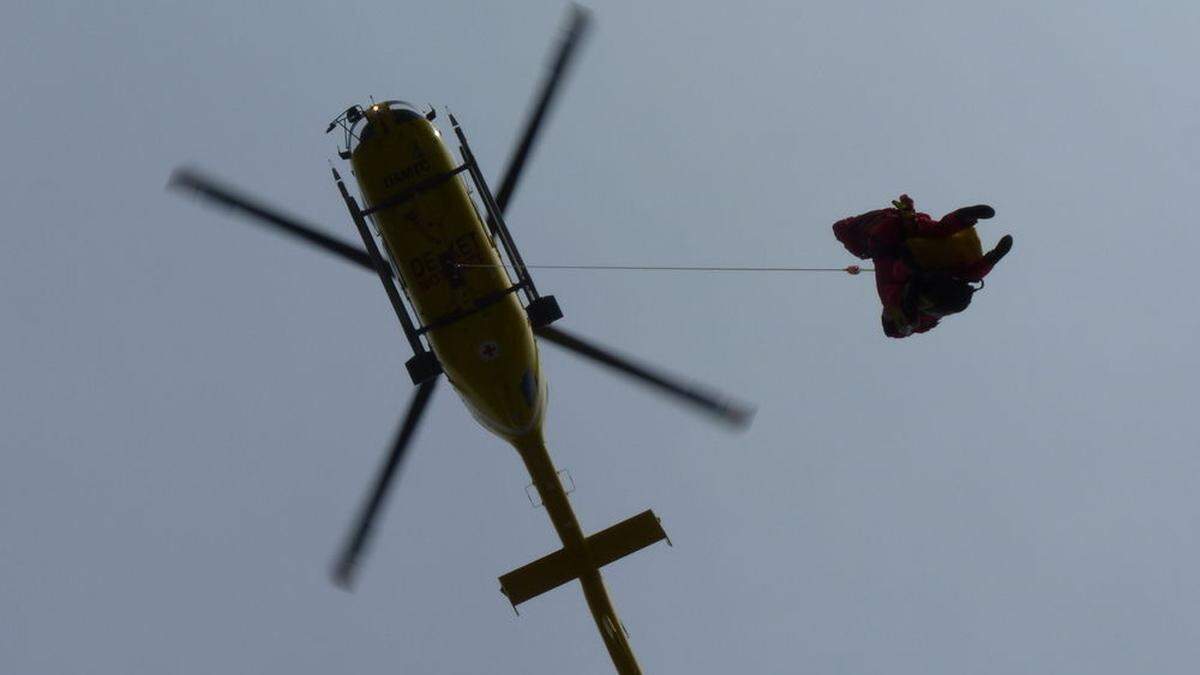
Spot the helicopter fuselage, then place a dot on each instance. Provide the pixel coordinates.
(451, 271)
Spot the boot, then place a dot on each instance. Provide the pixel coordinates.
(1002, 248)
(977, 212)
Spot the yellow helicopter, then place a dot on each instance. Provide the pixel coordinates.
(444, 265)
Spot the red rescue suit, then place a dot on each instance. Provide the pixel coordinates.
(900, 240)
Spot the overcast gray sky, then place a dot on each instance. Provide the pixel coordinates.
(191, 408)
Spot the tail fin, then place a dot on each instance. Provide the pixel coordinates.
(603, 547)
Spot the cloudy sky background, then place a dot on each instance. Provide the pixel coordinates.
(191, 408)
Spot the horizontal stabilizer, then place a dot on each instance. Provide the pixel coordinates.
(538, 577)
(625, 537)
(604, 547)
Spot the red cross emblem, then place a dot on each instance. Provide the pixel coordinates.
(489, 350)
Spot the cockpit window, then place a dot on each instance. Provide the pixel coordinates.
(362, 124)
(400, 115)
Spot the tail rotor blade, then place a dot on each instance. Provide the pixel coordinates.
(188, 179)
(347, 564)
(717, 406)
(575, 31)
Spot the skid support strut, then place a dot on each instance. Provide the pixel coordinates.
(543, 310)
(423, 365)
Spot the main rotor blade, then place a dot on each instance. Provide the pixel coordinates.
(533, 124)
(347, 565)
(723, 409)
(204, 186)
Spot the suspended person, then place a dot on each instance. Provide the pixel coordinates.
(923, 267)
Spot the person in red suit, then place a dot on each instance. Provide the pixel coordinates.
(924, 268)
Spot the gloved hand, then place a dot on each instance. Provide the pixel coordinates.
(904, 205)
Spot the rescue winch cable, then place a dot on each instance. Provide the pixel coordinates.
(851, 269)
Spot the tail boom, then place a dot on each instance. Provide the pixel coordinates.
(580, 557)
